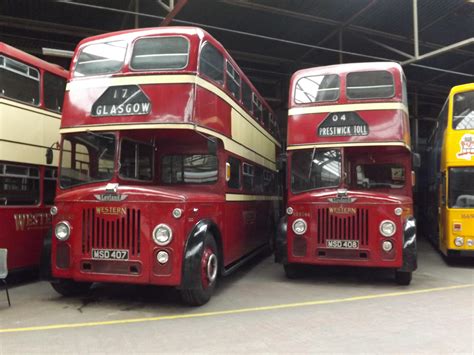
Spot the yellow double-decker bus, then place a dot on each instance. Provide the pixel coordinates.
(450, 197)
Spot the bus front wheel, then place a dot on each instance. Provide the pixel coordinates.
(207, 274)
(70, 288)
(403, 277)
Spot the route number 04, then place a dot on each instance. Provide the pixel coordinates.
(336, 118)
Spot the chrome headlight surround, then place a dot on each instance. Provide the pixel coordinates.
(299, 226)
(62, 230)
(162, 234)
(387, 228)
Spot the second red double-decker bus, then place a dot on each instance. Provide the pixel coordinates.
(349, 171)
(31, 98)
(168, 164)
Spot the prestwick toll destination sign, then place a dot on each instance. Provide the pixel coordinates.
(343, 124)
(125, 100)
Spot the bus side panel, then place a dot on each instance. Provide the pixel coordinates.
(212, 111)
(22, 233)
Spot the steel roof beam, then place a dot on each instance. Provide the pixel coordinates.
(173, 12)
(317, 19)
(445, 49)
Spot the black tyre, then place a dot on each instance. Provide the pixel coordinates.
(70, 288)
(403, 277)
(292, 271)
(207, 275)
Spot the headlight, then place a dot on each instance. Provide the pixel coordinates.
(459, 241)
(177, 213)
(387, 228)
(162, 234)
(387, 245)
(299, 226)
(162, 257)
(62, 231)
(53, 211)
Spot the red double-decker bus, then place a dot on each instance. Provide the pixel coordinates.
(31, 97)
(168, 164)
(350, 172)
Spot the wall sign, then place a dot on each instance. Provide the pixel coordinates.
(125, 100)
(343, 124)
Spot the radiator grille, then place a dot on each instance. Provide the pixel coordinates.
(343, 227)
(122, 232)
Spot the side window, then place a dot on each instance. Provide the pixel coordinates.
(136, 161)
(53, 91)
(19, 185)
(233, 81)
(247, 96)
(19, 81)
(248, 176)
(211, 63)
(189, 169)
(50, 175)
(257, 107)
(266, 118)
(233, 173)
(268, 181)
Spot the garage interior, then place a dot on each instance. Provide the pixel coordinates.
(330, 309)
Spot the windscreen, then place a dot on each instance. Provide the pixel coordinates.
(86, 158)
(160, 53)
(461, 188)
(317, 88)
(374, 176)
(463, 110)
(189, 169)
(313, 169)
(101, 58)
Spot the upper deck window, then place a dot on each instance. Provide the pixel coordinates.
(160, 53)
(370, 85)
(19, 81)
(317, 88)
(463, 110)
(233, 81)
(101, 58)
(53, 89)
(246, 95)
(211, 63)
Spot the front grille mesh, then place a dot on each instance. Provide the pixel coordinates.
(121, 232)
(343, 227)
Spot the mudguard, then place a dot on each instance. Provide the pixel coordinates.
(193, 252)
(281, 244)
(409, 246)
(45, 260)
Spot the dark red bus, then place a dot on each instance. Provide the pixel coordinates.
(168, 164)
(349, 172)
(31, 97)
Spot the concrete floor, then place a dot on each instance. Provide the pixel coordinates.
(347, 310)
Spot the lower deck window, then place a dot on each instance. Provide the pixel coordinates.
(189, 169)
(461, 188)
(19, 185)
(136, 161)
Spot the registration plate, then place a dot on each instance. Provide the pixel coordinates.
(342, 244)
(109, 254)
